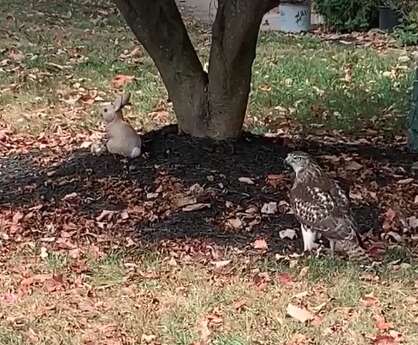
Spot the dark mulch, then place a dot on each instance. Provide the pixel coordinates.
(106, 183)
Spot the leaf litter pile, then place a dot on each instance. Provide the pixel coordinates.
(222, 208)
(187, 188)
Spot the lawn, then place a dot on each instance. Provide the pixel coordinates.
(92, 253)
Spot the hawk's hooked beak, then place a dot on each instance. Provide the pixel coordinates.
(287, 163)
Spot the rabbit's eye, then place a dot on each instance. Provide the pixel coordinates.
(105, 110)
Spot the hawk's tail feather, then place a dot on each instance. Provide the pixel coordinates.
(355, 250)
(357, 253)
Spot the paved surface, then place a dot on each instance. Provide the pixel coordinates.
(203, 10)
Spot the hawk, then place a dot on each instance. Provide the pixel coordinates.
(321, 206)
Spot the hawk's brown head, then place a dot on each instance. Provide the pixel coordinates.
(299, 161)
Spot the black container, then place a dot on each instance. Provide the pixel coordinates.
(388, 18)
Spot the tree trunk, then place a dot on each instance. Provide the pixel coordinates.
(206, 106)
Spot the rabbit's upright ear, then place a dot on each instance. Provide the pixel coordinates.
(121, 101)
(125, 98)
(118, 103)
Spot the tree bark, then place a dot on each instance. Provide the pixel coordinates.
(206, 106)
(158, 26)
(234, 40)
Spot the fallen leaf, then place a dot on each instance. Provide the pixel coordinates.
(299, 339)
(121, 80)
(105, 214)
(353, 166)
(70, 196)
(172, 262)
(16, 55)
(406, 181)
(44, 253)
(240, 304)
(74, 253)
(394, 235)
(269, 208)
(416, 199)
(287, 233)
(384, 340)
(299, 314)
(220, 264)
(261, 280)
(124, 214)
(390, 215)
(151, 195)
(260, 244)
(317, 321)
(147, 339)
(275, 180)
(284, 279)
(235, 223)
(17, 217)
(369, 301)
(246, 180)
(204, 331)
(181, 200)
(382, 324)
(413, 222)
(8, 298)
(195, 207)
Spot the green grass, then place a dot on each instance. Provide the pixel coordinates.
(323, 84)
(298, 79)
(112, 301)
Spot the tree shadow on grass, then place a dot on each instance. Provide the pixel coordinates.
(82, 186)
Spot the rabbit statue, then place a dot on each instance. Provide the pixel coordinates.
(122, 139)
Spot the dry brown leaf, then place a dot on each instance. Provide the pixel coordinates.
(220, 264)
(288, 233)
(246, 180)
(269, 208)
(353, 166)
(106, 214)
(284, 279)
(275, 180)
(17, 217)
(195, 207)
(240, 304)
(413, 222)
(385, 340)
(204, 331)
(369, 301)
(121, 80)
(147, 339)
(382, 324)
(260, 244)
(406, 181)
(235, 223)
(299, 314)
(299, 339)
(181, 200)
(70, 196)
(74, 253)
(172, 262)
(8, 298)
